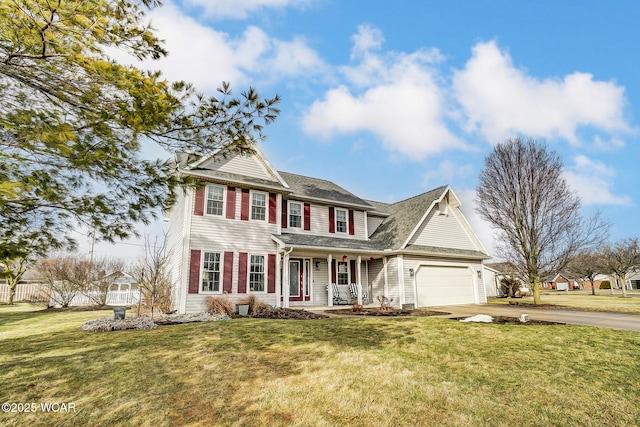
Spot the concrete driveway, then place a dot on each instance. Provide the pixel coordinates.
(630, 322)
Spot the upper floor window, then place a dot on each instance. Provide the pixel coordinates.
(215, 200)
(295, 214)
(341, 221)
(256, 273)
(258, 206)
(211, 272)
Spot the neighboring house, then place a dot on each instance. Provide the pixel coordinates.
(561, 282)
(633, 280)
(285, 238)
(598, 279)
(498, 271)
(492, 285)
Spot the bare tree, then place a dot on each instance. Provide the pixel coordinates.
(66, 277)
(622, 258)
(522, 194)
(101, 280)
(151, 272)
(586, 266)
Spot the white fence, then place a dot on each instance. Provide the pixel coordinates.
(40, 292)
(24, 292)
(130, 297)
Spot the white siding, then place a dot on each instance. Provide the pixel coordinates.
(320, 281)
(445, 231)
(214, 232)
(176, 242)
(241, 165)
(490, 286)
(320, 224)
(394, 283)
(376, 278)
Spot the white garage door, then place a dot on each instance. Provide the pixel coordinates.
(444, 286)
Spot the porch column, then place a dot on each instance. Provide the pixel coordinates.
(359, 279)
(386, 277)
(285, 281)
(278, 280)
(329, 287)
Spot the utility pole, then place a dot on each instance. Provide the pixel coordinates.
(93, 242)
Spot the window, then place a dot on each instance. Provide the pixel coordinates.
(211, 272)
(258, 206)
(295, 215)
(341, 221)
(343, 273)
(256, 273)
(215, 200)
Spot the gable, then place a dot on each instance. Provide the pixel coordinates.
(444, 231)
(246, 165)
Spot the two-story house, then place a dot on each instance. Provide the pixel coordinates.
(287, 238)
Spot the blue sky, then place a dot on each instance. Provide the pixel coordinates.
(391, 99)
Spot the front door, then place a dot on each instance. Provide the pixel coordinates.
(295, 280)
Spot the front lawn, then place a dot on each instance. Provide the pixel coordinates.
(337, 371)
(583, 300)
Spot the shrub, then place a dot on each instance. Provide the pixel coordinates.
(219, 305)
(605, 284)
(255, 306)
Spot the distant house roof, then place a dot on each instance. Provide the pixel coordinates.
(306, 187)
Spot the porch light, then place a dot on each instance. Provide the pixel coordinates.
(411, 272)
(317, 265)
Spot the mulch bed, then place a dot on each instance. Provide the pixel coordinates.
(385, 313)
(286, 313)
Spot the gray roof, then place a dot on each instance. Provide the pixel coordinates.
(237, 179)
(306, 187)
(326, 242)
(403, 217)
(433, 250)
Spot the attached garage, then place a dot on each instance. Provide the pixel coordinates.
(444, 285)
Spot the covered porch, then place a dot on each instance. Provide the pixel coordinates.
(323, 271)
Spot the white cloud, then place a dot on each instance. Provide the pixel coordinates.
(240, 9)
(400, 101)
(592, 180)
(205, 57)
(501, 100)
(446, 172)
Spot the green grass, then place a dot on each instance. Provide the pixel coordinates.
(338, 371)
(583, 300)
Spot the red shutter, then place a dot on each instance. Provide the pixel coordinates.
(198, 208)
(194, 272)
(353, 271)
(285, 214)
(352, 225)
(242, 273)
(228, 272)
(332, 220)
(231, 202)
(307, 216)
(271, 274)
(273, 208)
(333, 271)
(244, 207)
